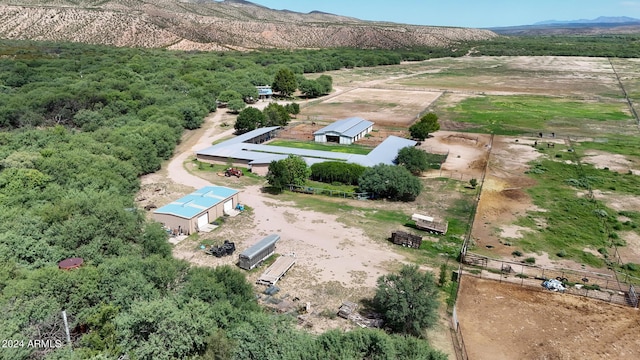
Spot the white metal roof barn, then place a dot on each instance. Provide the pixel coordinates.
(195, 211)
(345, 131)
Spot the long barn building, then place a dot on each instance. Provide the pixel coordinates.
(248, 150)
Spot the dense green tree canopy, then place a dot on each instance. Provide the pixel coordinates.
(229, 95)
(276, 115)
(391, 182)
(413, 159)
(314, 88)
(285, 82)
(310, 88)
(427, 124)
(236, 105)
(292, 108)
(337, 171)
(408, 300)
(290, 171)
(249, 119)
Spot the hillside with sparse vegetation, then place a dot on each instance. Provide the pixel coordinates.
(209, 25)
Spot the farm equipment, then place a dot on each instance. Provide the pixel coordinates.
(219, 251)
(233, 172)
(430, 224)
(406, 239)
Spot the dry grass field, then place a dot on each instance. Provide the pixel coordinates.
(393, 108)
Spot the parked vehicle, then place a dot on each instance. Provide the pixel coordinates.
(554, 285)
(233, 172)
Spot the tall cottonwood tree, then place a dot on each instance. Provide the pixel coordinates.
(285, 82)
(290, 171)
(427, 124)
(408, 300)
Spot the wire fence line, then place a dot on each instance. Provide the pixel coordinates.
(329, 192)
(594, 285)
(458, 339)
(624, 92)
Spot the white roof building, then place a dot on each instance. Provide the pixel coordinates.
(242, 150)
(345, 131)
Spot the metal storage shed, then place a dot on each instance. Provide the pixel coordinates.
(259, 252)
(191, 213)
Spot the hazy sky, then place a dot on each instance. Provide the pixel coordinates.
(466, 13)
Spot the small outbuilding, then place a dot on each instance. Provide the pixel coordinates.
(346, 131)
(264, 92)
(195, 211)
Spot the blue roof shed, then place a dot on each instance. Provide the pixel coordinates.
(195, 203)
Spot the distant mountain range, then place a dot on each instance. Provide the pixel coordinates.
(600, 25)
(599, 20)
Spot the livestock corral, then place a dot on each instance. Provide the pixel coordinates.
(518, 322)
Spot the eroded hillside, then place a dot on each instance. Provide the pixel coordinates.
(209, 25)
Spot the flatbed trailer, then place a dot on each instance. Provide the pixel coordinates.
(276, 271)
(430, 224)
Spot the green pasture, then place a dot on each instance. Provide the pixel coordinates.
(309, 145)
(620, 144)
(573, 223)
(511, 115)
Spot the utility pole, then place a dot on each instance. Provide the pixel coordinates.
(66, 326)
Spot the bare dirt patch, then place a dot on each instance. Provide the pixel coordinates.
(631, 252)
(513, 231)
(334, 262)
(613, 162)
(504, 196)
(468, 154)
(544, 75)
(382, 106)
(525, 323)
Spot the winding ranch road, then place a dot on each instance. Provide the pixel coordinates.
(176, 171)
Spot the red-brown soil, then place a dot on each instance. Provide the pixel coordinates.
(502, 321)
